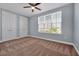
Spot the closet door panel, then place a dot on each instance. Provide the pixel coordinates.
(8, 25)
(23, 26)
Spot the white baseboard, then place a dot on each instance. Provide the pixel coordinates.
(52, 40)
(59, 42)
(46, 39)
(13, 38)
(76, 48)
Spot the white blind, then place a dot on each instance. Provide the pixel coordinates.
(50, 23)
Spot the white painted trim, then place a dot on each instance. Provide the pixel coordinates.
(76, 48)
(13, 38)
(46, 39)
(52, 40)
(59, 42)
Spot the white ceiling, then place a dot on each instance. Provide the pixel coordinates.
(18, 8)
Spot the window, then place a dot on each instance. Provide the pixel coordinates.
(50, 23)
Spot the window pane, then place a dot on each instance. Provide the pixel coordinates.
(48, 18)
(59, 16)
(41, 19)
(50, 23)
(59, 27)
(54, 18)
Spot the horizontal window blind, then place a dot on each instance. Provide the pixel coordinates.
(50, 23)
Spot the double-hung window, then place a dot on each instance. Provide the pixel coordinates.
(50, 23)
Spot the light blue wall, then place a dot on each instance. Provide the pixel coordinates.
(76, 27)
(17, 25)
(28, 25)
(67, 17)
(0, 25)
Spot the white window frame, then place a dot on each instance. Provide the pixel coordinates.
(44, 19)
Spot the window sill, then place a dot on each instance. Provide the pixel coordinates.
(50, 33)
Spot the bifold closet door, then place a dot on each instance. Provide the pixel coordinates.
(23, 26)
(9, 27)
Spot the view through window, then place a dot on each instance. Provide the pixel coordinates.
(50, 23)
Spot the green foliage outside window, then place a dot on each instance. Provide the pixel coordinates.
(53, 29)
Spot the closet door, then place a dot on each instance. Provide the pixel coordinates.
(8, 25)
(23, 26)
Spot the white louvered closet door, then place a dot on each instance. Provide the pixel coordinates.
(9, 25)
(23, 26)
